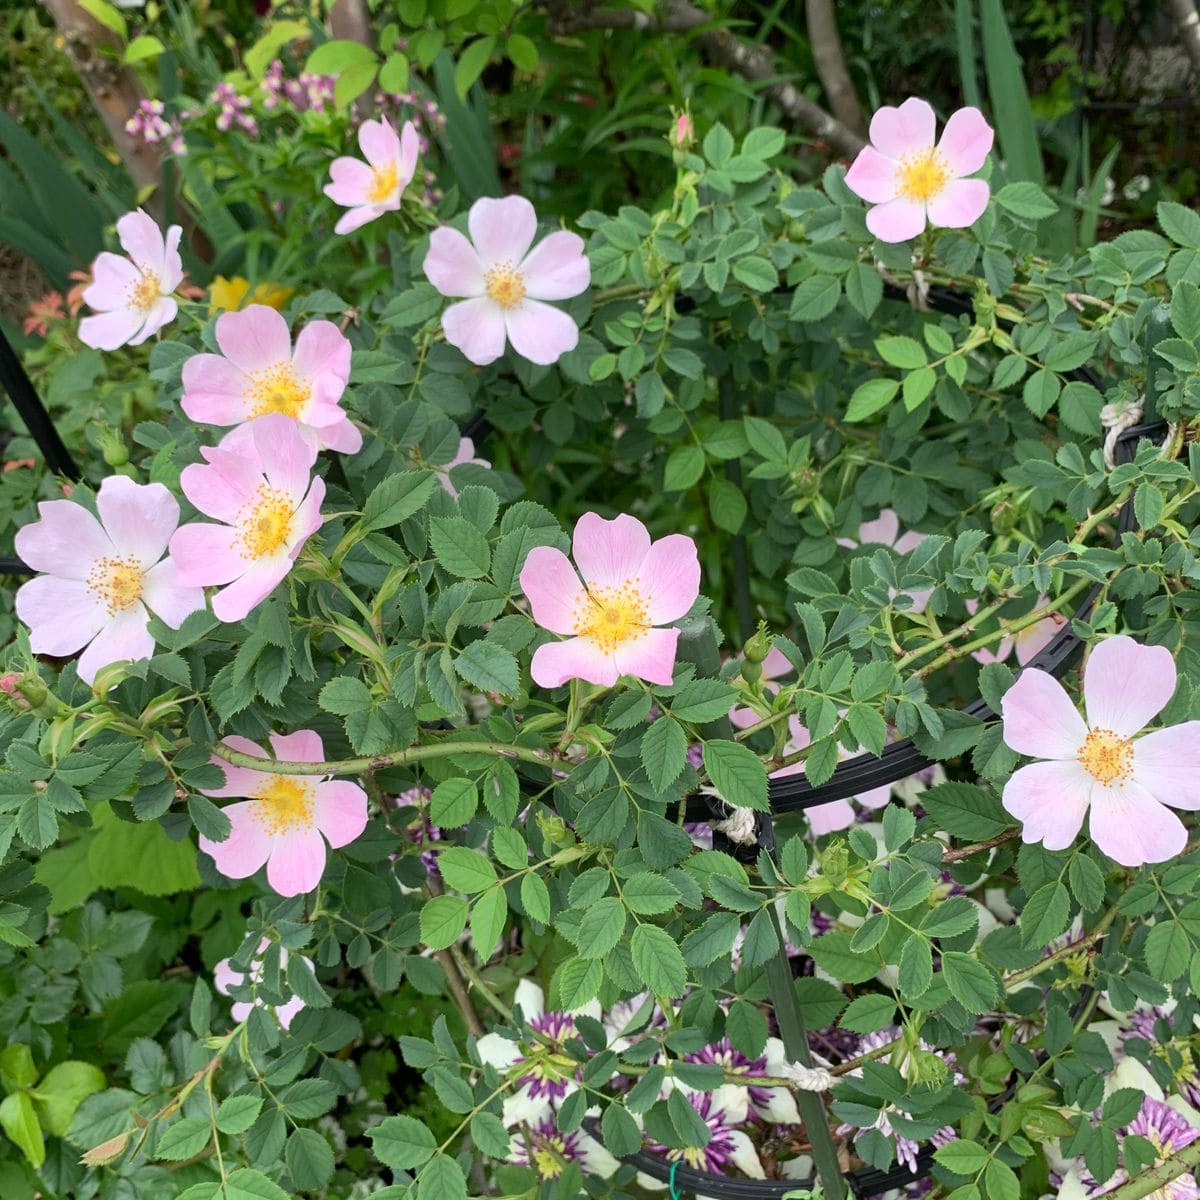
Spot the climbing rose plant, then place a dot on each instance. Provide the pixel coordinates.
(509, 688)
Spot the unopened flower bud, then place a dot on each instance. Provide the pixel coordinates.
(1004, 516)
(554, 830)
(759, 646)
(112, 446)
(683, 131)
(835, 860)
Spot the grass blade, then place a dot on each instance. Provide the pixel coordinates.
(1009, 96)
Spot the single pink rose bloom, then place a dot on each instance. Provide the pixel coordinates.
(464, 455)
(370, 189)
(1099, 768)
(256, 482)
(225, 978)
(103, 578)
(506, 283)
(257, 373)
(630, 587)
(910, 181)
(289, 818)
(1028, 642)
(884, 530)
(132, 296)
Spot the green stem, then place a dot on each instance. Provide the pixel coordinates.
(1068, 951)
(1149, 1182)
(377, 762)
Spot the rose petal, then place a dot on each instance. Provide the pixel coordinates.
(379, 143)
(124, 638)
(539, 332)
(323, 354)
(162, 313)
(872, 176)
(113, 278)
(959, 204)
(1164, 763)
(1132, 828)
(239, 598)
(214, 390)
(169, 600)
(355, 218)
(138, 518)
(669, 578)
(576, 658)
(882, 531)
(904, 130)
(966, 141)
(502, 230)
(63, 615)
(827, 818)
(65, 540)
(341, 811)
(452, 265)
(246, 848)
(556, 268)
(205, 555)
(286, 455)
(896, 221)
(1126, 685)
(143, 241)
(304, 745)
(649, 655)
(110, 330)
(1050, 800)
(476, 327)
(1039, 718)
(553, 589)
(297, 862)
(254, 338)
(350, 181)
(609, 553)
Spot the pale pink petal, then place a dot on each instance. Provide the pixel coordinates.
(113, 277)
(959, 204)
(139, 518)
(452, 265)
(124, 638)
(286, 455)
(228, 481)
(214, 390)
(882, 531)
(341, 811)
(297, 862)
(322, 355)
(410, 146)
(827, 818)
(540, 333)
(63, 615)
(110, 330)
(556, 268)
(168, 599)
(1002, 651)
(896, 221)
(240, 781)
(142, 240)
(649, 655)
(350, 181)
(355, 218)
(1126, 685)
(285, 1014)
(904, 130)
(776, 664)
(553, 589)
(205, 555)
(907, 542)
(743, 718)
(378, 142)
(65, 540)
(345, 437)
(162, 313)
(237, 599)
(476, 327)
(1032, 641)
(1049, 799)
(669, 578)
(502, 230)
(306, 520)
(1165, 764)
(919, 599)
(966, 141)
(171, 275)
(304, 745)
(246, 848)
(876, 797)
(872, 176)
(254, 338)
(1039, 718)
(1132, 828)
(576, 658)
(225, 977)
(609, 553)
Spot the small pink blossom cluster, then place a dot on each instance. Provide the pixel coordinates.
(235, 109)
(308, 92)
(150, 125)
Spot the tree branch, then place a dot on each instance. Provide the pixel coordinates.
(1187, 21)
(720, 47)
(831, 65)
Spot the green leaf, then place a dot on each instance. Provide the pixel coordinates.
(969, 981)
(309, 1160)
(16, 1067)
(718, 145)
(903, 352)
(870, 397)
(966, 811)
(62, 1090)
(465, 869)
(453, 803)
(488, 667)
(140, 856)
(1001, 1181)
(37, 822)
(1185, 311)
(336, 55)
(187, 1137)
(535, 896)
(459, 547)
(1010, 99)
(249, 1184)
(1168, 951)
(488, 916)
(19, 1121)
(832, 953)
(402, 1143)
(756, 273)
(658, 961)
(237, 1113)
(685, 465)
(397, 498)
(663, 753)
(916, 968)
(393, 75)
(962, 1157)
(869, 1013)
(815, 298)
(601, 928)
(442, 1178)
(1026, 200)
(1180, 223)
(442, 920)
(648, 894)
(576, 982)
(471, 63)
(1045, 915)
(737, 773)
(524, 54)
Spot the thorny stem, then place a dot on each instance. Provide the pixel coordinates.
(378, 762)
(1068, 951)
(962, 852)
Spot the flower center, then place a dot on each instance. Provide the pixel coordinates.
(923, 175)
(549, 1157)
(116, 582)
(505, 285)
(284, 805)
(278, 389)
(383, 183)
(265, 524)
(612, 615)
(145, 292)
(1107, 757)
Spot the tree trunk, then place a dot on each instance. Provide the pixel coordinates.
(831, 65)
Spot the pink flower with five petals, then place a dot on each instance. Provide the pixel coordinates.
(225, 978)
(911, 181)
(1100, 768)
(370, 189)
(506, 283)
(884, 530)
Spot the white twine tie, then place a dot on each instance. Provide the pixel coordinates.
(808, 1079)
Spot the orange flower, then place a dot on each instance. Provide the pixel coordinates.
(42, 312)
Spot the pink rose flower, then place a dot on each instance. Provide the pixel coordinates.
(258, 373)
(506, 283)
(256, 482)
(102, 579)
(288, 819)
(465, 455)
(132, 296)
(884, 530)
(1028, 642)
(1099, 769)
(910, 181)
(370, 189)
(630, 586)
(225, 978)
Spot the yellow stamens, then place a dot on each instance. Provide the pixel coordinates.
(278, 389)
(505, 285)
(1107, 757)
(116, 583)
(923, 175)
(146, 292)
(383, 183)
(549, 1158)
(265, 524)
(284, 805)
(610, 616)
